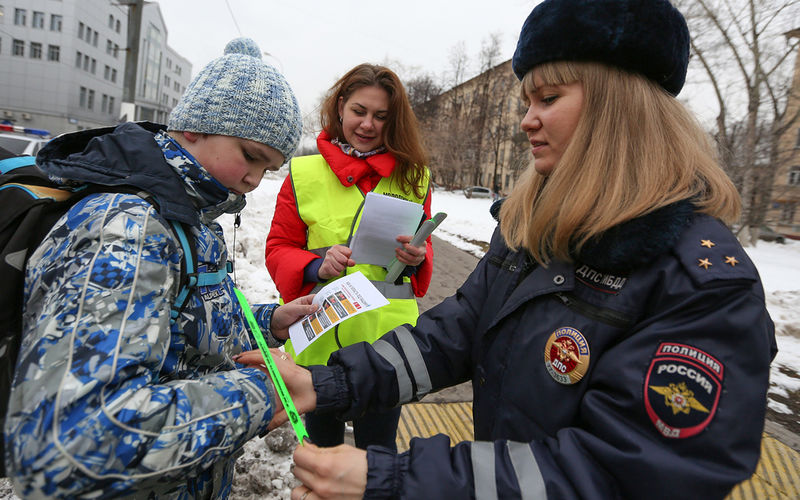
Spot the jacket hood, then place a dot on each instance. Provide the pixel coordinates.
(126, 155)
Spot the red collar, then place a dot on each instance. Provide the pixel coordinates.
(348, 169)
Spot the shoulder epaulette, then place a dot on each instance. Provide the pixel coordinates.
(709, 252)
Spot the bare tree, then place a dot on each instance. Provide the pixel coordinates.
(739, 45)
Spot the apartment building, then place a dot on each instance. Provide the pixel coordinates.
(784, 211)
(64, 65)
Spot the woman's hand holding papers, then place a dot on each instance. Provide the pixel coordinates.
(409, 254)
(336, 259)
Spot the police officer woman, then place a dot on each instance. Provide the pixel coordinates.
(615, 333)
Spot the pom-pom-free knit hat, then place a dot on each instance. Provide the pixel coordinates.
(241, 96)
(649, 37)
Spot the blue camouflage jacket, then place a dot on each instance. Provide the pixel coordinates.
(640, 370)
(108, 398)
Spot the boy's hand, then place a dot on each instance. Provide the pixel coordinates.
(296, 378)
(287, 314)
(336, 259)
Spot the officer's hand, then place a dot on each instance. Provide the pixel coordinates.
(338, 472)
(296, 378)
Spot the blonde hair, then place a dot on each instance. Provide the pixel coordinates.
(635, 149)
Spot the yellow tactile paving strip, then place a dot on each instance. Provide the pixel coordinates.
(777, 475)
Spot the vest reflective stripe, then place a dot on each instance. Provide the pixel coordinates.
(332, 213)
(483, 476)
(415, 361)
(529, 477)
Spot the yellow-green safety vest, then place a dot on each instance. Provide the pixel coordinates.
(332, 213)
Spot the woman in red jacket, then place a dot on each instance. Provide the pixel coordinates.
(369, 142)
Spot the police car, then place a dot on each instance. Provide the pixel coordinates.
(22, 140)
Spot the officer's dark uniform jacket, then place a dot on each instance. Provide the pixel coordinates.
(638, 371)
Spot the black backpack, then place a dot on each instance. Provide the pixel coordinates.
(30, 205)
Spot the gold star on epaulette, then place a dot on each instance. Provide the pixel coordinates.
(704, 263)
(731, 260)
(707, 243)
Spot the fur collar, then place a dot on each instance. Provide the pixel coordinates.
(634, 243)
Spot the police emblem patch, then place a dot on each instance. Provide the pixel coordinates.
(566, 355)
(682, 389)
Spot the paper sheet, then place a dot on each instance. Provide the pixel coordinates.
(339, 300)
(384, 219)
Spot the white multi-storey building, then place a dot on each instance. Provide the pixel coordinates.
(63, 65)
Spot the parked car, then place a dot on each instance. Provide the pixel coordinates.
(22, 141)
(477, 192)
(768, 234)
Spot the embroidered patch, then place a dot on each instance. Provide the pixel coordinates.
(566, 355)
(608, 283)
(682, 389)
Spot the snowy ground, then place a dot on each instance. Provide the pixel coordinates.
(263, 471)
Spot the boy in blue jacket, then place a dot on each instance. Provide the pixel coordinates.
(110, 397)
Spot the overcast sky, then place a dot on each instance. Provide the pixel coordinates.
(314, 43)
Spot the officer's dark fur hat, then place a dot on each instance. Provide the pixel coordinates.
(643, 36)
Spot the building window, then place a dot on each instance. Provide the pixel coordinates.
(169, 63)
(83, 97)
(36, 50)
(110, 23)
(116, 50)
(114, 75)
(109, 47)
(107, 72)
(90, 101)
(176, 87)
(794, 176)
(788, 212)
(18, 47)
(116, 28)
(94, 39)
(111, 105)
(78, 59)
(174, 102)
(88, 34)
(85, 62)
(94, 66)
(178, 69)
(38, 19)
(55, 22)
(104, 104)
(80, 30)
(166, 80)
(19, 16)
(53, 53)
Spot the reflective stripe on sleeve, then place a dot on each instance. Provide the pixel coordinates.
(529, 477)
(390, 354)
(482, 454)
(415, 361)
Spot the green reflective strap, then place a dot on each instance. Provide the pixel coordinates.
(280, 387)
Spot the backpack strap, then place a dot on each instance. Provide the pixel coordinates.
(15, 162)
(191, 278)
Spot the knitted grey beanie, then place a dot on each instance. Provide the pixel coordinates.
(239, 95)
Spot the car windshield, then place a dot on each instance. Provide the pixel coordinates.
(14, 144)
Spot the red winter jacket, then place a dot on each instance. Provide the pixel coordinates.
(286, 255)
